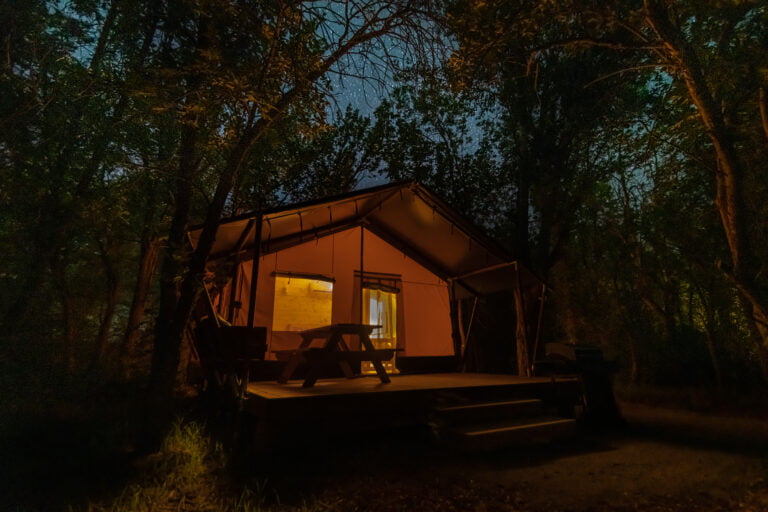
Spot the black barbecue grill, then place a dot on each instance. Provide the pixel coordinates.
(595, 374)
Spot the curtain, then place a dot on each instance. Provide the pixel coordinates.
(380, 308)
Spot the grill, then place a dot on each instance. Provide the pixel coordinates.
(594, 372)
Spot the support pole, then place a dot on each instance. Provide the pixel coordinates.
(362, 263)
(455, 331)
(462, 334)
(255, 271)
(467, 334)
(233, 291)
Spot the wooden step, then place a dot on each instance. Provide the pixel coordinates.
(566, 389)
(525, 431)
(478, 412)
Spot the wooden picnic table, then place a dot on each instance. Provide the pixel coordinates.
(335, 350)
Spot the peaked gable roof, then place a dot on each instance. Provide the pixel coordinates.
(405, 214)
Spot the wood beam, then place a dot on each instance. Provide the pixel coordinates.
(255, 271)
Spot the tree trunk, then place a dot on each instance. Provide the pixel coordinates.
(15, 316)
(521, 331)
(760, 349)
(629, 321)
(763, 108)
(150, 249)
(67, 320)
(166, 345)
(762, 358)
(111, 298)
(177, 302)
(712, 348)
(563, 301)
(522, 217)
(633, 363)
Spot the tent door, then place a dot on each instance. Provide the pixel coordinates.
(380, 308)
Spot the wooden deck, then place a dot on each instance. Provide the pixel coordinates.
(400, 383)
(344, 406)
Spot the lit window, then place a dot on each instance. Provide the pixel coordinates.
(301, 303)
(380, 308)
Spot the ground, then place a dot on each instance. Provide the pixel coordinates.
(664, 461)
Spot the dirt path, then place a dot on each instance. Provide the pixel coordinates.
(664, 461)
(633, 472)
(665, 456)
(719, 429)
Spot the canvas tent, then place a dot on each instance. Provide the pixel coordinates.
(394, 255)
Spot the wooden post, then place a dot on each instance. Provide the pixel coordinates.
(462, 333)
(454, 314)
(233, 291)
(466, 335)
(362, 262)
(255, 271)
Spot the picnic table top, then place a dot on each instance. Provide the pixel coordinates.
(340, 328)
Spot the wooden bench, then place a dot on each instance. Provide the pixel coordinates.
(317, 358)
(225, 351)
(336, 351)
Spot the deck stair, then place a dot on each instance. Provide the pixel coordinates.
(478, 424)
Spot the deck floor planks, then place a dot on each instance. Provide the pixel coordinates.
(371, 384)
(342, 406)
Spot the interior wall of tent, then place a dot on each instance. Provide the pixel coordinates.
(423, 317)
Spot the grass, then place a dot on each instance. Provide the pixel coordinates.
(192, 472)
(189, 472)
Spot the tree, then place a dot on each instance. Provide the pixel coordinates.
(311, 166)
(705, 56)
(125, 122)
(557, 115)
(62, 114)
(429, 134)
(234, 72)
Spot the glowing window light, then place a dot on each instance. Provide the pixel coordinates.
(380, 308)
(301, 303)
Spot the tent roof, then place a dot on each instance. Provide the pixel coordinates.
(405, 214)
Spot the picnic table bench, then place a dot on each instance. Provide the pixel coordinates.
(335, 351)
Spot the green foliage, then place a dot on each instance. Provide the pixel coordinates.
(187, 473)
(295, 163)
(604, 125)
(427, 134)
